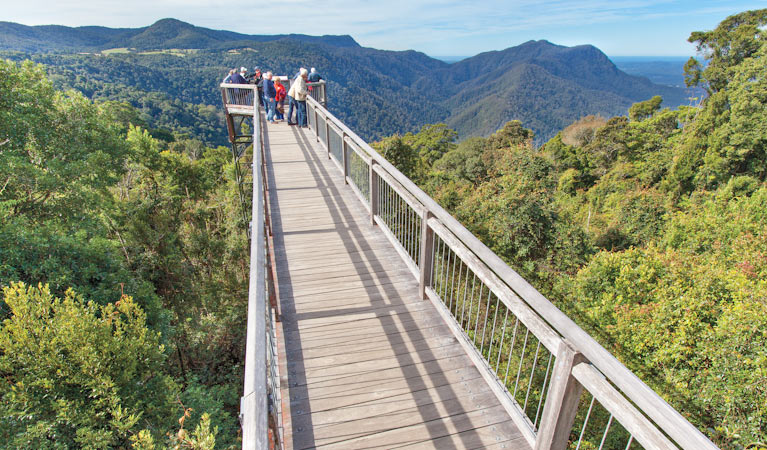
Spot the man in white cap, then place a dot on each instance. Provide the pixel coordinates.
(314, 76)
(298, 91)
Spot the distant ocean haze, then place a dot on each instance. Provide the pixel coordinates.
(666, 70)
(451, 59)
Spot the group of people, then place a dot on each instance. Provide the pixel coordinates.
(272, 93)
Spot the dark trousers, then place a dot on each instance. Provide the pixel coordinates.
(301, 113)
(291, 104)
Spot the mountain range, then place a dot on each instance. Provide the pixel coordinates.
(163, 34)
(376, 92)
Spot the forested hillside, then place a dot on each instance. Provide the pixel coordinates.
(170, 70)
(123, 266)
(649, 230)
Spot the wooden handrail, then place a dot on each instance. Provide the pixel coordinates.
(253, 405)
(648, 401)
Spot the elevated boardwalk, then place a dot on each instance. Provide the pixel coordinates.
(367, 363)
(399, 327)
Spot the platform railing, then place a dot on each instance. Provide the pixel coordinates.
(237, 96)
(261, 403)
(560, 387)
(318, 91)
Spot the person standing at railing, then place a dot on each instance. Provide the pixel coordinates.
(239, 78)
(269, 97)
(228, 78)
(241, 96)
(280, 98)
(298, 91)
(314, 76)
(258, 80)
(291, 100)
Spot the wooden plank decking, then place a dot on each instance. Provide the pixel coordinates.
(365, 362)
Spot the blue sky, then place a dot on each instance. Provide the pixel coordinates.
(617, 27)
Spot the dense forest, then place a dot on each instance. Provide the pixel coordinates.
(124, 272)
(123, 259)
(649, 230)
(168, 72)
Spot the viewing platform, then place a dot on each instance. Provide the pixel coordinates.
(376, 320)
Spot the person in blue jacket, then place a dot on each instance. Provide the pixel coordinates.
(314, 76)
(269, 97)
(238, 78)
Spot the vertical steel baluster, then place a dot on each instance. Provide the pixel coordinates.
(408, 223)
(398, 216)
(413, 233)
(433, 259)
(532, 374)
(607, 430)
(484, 326)
(452, 276)
(521, 360)
(385, 188)
(452, 287)
(442, 268)
(511, 350)
(543, 389)
(479, 312)
(471, 306)
(387, 220)
(585, 422)
(500, 346)
(465, 292)
(419, 224)
(492, 333)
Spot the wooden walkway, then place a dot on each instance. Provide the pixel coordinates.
(365, 362)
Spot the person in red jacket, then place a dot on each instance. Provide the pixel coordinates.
(280, 98)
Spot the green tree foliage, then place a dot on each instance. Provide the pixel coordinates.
(59, 151)
(399, 153)
(734, 40)
(728, 137)
(91, 203)
(645, 109)
(691, 316)
(77, 374)
(432, 142)
(465, 161)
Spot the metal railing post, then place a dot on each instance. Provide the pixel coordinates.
(327, 136)
(373, 179)
(345, 157)
(317, 125)
(427, 257)
(324, 94)
(561, 402)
